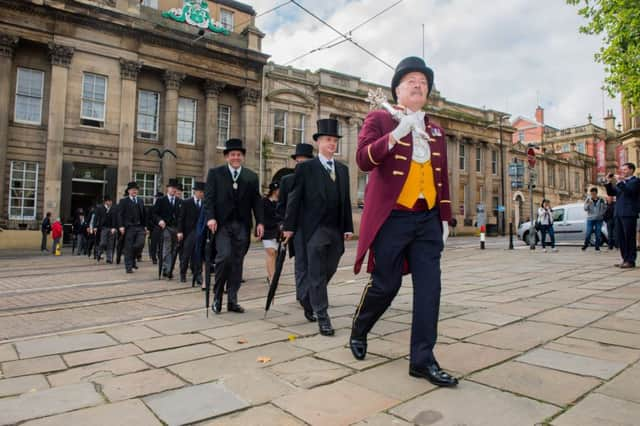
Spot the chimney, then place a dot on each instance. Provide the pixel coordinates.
(610, 123)
(540, 114)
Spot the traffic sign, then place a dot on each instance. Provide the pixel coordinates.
(500, 208)
(531, 157)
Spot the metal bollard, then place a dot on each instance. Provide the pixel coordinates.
(482, 232)
(510, 236)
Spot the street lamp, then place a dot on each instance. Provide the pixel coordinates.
(160, 154)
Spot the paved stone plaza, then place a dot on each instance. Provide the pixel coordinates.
(537, 338)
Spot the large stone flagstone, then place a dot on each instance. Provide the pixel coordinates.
(464, 358)
(382, 419)
(594, 349)
(309, 372)
(618, 324)
(569, 316)
(520, 336)
(174, 356)
(63, 344)
(208, 369)
(22, 384)
(138, 384)
(624, 386)
(472, 404)
(102, 354)
(7, 353)
(129, 333)
(185, 324)
(194, 403)
(238, 329)
(250, 340)
(91, 372)
(47, 402)
(600, 410)
(459, 329)
(540, 383)
(126, 413)
(572, 363)
(265, 415)
(337, 404)
(490, 317)
(23, 367)
(169, 342)
(256, 386)
(392, 380)
(344, 357)
(620, 338)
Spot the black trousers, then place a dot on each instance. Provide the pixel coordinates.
(626, 237)
(324, 250)
(189, 258)
(43, 243)
(611, 232)
(416, 237)
(232, 240)
(154, 242)
(133, 245)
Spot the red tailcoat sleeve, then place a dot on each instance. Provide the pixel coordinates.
(373, 149)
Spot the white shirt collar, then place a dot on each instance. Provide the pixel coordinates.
(231, 169)
(324, 160)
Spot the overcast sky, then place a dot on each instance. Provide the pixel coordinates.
(509, 55)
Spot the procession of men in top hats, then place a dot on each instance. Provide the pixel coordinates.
(403, 229)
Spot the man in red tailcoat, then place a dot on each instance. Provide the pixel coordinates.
(405, 218)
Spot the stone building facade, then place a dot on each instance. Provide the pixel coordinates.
(93, 85)
(628, 148)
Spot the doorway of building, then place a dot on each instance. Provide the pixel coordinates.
(85, 194)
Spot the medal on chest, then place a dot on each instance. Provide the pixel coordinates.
(235, 185)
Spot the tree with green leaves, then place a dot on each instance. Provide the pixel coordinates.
(618, 21)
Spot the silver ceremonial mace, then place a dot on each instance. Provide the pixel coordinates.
(377, 99)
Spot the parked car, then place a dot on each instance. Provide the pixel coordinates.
(569, 224)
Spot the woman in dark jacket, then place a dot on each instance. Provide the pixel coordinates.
(271, 227)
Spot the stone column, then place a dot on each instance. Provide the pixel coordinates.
(473, 178)
(172, 81)
(350, 154)
(454, 178)
(249, 126)
(212, 90)
(60, 57)
(129, 84)
(7, 46)
(488, 179)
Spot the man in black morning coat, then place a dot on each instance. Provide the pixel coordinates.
(232, 197)
(320, 207)
(131, 224)
(187, 223)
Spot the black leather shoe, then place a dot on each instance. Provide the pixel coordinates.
(324, 325)
(183, 278)
(217, 306)
(129, 271)
(135, 266)
(234, 307)
(627, 265)
(433, 374)
(310, 316)
(358, 347)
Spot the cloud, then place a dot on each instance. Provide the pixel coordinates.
(508, 55)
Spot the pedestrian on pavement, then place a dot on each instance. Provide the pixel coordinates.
(626, 188)
(453, 222)
(187, 232)
(304, 152)
(405, 218)
(45, 229)
(131, 224)
(320, 208)
(595, 207)
(80, 231)
(609, 219)
(56, 236)
(104, 228)
(271, 228)
(155, 233)
(232, 200)
(545, 221)
(165, 215)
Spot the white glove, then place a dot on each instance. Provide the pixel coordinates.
(445, 231)
(407, 123)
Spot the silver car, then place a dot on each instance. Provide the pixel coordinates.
(569, 225)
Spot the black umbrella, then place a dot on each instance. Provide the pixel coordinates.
(177, 245)
(207, 269)
(119, 246)
(273, 286)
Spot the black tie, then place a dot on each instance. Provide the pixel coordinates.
(330, 164)
(235, 174)
(135, 200)
(198, 203)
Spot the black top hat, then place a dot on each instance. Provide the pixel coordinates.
(327, 127)
(106, 198)
(303, 150)
(179, 187)
(233, 145)
(407, 65)
(198, 186)
(273, 186)
(132, 185)
(172, 182)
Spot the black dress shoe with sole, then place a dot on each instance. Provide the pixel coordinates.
(310, 316)
(234, 307)
(358, 347)
(217, 306)
(129, 271)
(324, 325)
(183, 278)
(433, 374)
